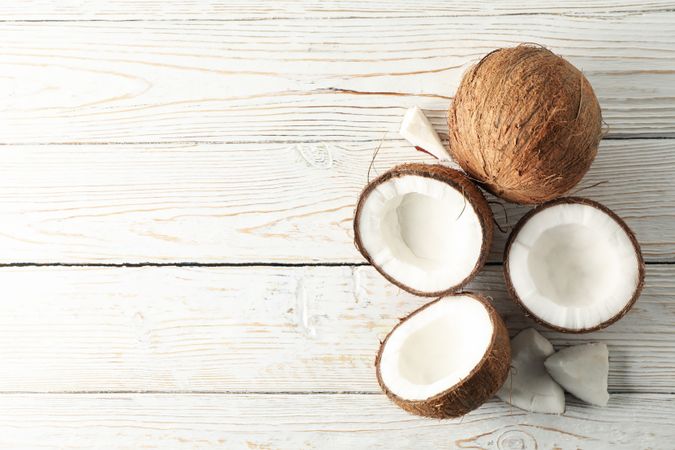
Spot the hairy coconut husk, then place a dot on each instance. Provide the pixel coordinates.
(525, 123)
(584, 201)
(478, 387)
(459, 181)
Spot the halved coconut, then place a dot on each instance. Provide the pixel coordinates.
(573, 265)
(445, 359)
(426, 228)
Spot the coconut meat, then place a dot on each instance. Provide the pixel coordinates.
(573, 266)
(422, 232)
(528, 385)
(417, 130)
(583, 371)
(436, 348)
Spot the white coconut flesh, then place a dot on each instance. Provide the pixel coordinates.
(417, 130)
(436, 348)
(573, 266)
(421, 232)
(583, 371)
(528, 385)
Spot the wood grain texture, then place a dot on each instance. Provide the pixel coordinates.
(629, 422)
(242, 203)
(243, 329)
(334, 79)
(229, 10)
(238, 132)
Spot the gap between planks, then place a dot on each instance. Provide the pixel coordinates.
(241, 264)
(244, 393)
(613, 137)
(365, 14)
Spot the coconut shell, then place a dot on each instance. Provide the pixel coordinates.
(584, 201)
(478, 387)
(456, 179)
(525, 123)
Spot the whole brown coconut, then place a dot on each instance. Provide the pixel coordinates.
(525, 123)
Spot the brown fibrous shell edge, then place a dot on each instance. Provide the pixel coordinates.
(486, 378)
(583, 201)
(457, 180)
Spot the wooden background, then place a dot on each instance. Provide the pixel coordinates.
(177, 184)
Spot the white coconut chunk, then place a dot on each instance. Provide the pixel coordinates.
(436, 348)
(422, 232)
(529, 386)
(417, 130)
(574, 266)
(582, 370)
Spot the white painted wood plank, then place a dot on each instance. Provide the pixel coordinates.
(299, 80)
(268, 9)
(241, 329)
(630, 422)
(241, 203)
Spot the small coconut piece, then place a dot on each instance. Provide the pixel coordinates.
(426, 228)
(417, 130)
(583, 371)
(573, 265)
(526, 123)
(445, 359)
(528, 385)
